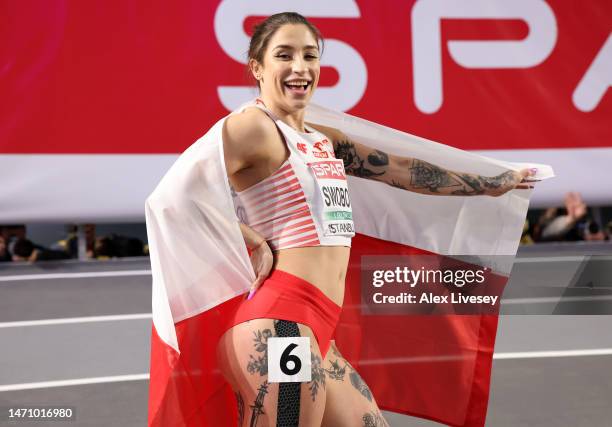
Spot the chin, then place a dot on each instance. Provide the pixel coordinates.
(297, 103)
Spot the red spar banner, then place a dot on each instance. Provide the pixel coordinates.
(151, 77)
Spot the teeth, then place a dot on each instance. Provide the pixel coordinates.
(297, 83)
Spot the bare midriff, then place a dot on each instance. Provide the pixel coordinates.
(322, 266)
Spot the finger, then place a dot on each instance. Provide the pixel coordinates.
(261, 277)
(525, 173)
(252, 291)
(257, 283)
(254, 286)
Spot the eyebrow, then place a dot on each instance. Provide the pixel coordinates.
(286, 46)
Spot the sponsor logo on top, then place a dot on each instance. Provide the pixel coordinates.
(320, 149)
(302, 147)
(331, 169)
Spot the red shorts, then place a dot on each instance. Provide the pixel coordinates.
(284, 296)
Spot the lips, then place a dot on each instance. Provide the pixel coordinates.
(298, 87)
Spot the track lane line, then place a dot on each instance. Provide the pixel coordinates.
(73, 382)
(69, 320)
(48, 276)
(496, 356)
(143, 377)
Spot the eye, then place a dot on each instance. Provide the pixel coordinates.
(283, 55)
(310, 56)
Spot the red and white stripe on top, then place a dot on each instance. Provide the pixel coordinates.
(303, 203)
(277, 209)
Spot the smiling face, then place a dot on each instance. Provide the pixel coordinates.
(290, 70)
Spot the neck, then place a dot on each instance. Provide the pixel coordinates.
(294, 118)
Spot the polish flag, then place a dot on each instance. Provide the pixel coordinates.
(431, 366)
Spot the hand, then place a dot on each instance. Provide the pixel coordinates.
(261, 259)
(576, 208)
(510, 180)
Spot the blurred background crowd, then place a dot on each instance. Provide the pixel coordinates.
(573, 222)
(17, 245)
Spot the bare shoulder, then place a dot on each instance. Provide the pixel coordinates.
(332, 133)
(246, 138)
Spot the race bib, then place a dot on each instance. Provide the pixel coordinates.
(289, 359)
(336, 215)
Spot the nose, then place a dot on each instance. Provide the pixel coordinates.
(299, 65)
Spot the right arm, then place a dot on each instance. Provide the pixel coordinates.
(252, 238)
(261, 255)
(246, 137)
(244, 141)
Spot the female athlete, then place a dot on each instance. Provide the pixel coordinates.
(290, 192)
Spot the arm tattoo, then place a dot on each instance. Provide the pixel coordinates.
(431, 177)
(397, 184)
(473, 185)
(378, 158)
(424, 175)
(354, 164)
(477, 184)
(501, 180)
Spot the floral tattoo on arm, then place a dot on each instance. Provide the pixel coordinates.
(417, 175)
(357, 166)
(436, 180)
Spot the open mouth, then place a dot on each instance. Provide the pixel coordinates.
(297, 86)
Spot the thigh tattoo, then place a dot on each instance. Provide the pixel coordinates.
(258, 404)
(318, 376)
(240, 404)
(337, 372)
(259, 362)
(360, 384)
(374, 419)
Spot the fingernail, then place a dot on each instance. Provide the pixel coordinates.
(534, 170)
(251, 293)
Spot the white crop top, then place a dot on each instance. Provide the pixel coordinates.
(306, 201)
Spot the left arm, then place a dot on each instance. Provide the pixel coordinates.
(418, 175)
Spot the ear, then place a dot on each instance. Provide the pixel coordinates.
(256, 69)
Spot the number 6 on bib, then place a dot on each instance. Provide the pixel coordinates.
(289, 359)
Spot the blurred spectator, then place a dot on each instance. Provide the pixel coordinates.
(116, 246)
(4, 253)
(25, 250)
(594, 233)
(70, 244)
(526, 237)
(103, 248)
(11, 233)
(555, 225)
